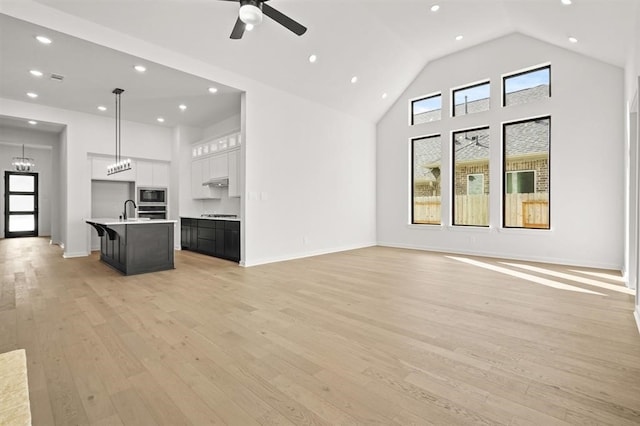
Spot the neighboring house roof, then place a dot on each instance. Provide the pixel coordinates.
(528, 138)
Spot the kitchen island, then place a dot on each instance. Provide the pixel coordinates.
(135, 246)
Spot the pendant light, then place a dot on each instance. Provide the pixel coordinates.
(23, 164)
(119, 165)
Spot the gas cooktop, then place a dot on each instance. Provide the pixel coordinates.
(218, 215)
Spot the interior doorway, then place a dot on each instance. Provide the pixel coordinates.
(20, 204)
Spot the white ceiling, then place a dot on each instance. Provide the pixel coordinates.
(91, 72)
(386, 43)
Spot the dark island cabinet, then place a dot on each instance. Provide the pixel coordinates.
(219, 238)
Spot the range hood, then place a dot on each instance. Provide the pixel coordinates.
(218, 182)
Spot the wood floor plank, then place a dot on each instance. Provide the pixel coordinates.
(371, 336)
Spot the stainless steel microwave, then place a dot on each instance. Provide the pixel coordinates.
(152, 196)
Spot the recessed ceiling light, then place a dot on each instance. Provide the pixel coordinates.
(248, 27)
(435, 8)
(32, 95)
(354, 79)
(566, 2)
(384, 96)
(458, 38)
(213, 90)
(313, 58)
(573, 39)
(36, 73)
(160, 120)
(140, 68)
(102, 108)
(43, 39)
(182, 107)
(32, 122)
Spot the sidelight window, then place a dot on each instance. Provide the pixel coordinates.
(471, 177)
(526, 173)
(426, 153)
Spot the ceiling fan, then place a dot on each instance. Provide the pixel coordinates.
(250, 15)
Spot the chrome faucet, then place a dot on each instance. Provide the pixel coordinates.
(124, 214)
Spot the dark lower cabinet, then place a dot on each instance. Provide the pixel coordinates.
(232, 240)
(219, 238)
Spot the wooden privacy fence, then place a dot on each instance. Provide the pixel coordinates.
(521, 210)
(527, 210)
(471, 210)
(427, 210)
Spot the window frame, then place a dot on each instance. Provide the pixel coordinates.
(452, 198)
(412, 180)
(422, 98)
(503, 182)
(518, 73)
(453, 91)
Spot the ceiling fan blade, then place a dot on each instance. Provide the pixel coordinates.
(283, 20)
(238, 30)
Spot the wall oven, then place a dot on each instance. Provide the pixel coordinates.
(152, 212)
(152, 196)
(152, 203)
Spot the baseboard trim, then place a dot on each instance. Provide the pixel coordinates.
(72, 255)
(275, 259)
(636, 314)
(509, 256)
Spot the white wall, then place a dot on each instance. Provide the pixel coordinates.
(310, 178)
(223, 127)
(87, 134)
(43, 148)
(632, 151)
(587, 157)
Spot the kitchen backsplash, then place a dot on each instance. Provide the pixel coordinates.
(224, 205)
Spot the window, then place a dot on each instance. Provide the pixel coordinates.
(526, 86)
(521, 182)
(526, 173)
(471, 177)
(426, 109)
(426, 153)
(475, 184)
(468, 100)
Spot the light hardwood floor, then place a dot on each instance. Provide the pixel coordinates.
(371, 336)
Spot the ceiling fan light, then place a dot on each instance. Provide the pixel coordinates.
(250, 14)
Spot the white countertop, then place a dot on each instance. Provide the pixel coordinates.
(110, 221)
(235, 219)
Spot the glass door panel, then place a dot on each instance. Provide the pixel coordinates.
(21, 223)
(21, 203)
(21, 183)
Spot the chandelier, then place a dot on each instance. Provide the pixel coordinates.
(23, 164)
(119, 165)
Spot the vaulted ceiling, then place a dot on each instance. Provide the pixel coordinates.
(385, 43)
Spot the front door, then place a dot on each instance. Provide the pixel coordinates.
(20, 204)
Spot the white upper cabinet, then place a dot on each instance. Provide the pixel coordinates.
(99, 170)
(152, 173)
(161, 174)
(199, 174)
(234, 173)
(219, 166)
(144, 173)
